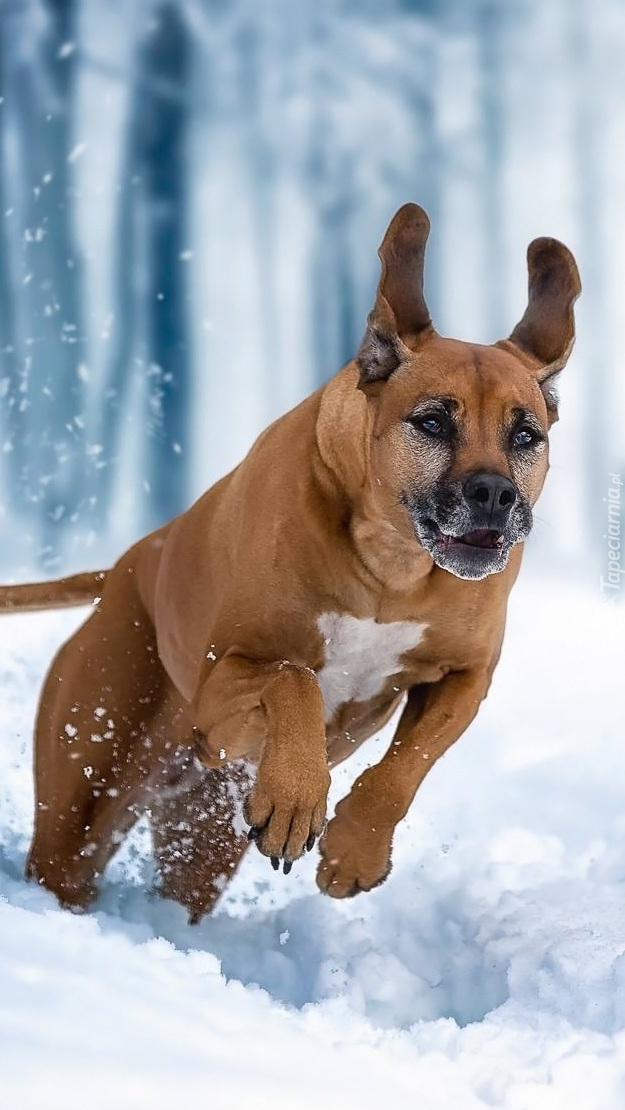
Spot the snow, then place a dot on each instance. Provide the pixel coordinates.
(489, 971)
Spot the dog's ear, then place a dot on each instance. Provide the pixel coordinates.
(546, 331)
(400, 315)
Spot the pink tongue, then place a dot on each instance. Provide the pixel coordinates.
(482, 537)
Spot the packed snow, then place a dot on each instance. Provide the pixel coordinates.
(489, 971)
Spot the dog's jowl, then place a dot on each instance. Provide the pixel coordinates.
(358, 559)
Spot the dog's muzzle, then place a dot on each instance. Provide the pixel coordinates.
(470, 526)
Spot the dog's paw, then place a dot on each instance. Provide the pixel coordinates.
(352, 860)
(286, 819)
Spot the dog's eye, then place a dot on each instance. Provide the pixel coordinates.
(433, 425)
(524, 437)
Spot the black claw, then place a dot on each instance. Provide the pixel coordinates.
(286, 867)
(310, 843)
(254, 832)
(275, 863)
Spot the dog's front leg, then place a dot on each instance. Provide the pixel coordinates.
(273, 716)
(356, 848)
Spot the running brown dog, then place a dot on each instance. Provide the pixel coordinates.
(363, 552)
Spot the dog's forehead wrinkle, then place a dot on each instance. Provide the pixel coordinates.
(471, 381)
(481, 386)
(449, 403)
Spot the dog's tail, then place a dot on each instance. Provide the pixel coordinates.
(62, 593)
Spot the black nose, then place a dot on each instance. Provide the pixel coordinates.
(493, 494)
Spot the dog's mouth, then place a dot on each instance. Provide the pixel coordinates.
(487, 539)
(460, 538)
(473, 554)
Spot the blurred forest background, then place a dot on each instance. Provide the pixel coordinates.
(192, 193)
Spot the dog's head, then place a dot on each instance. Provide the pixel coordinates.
(459, 449)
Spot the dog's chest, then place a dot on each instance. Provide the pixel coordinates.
(359, 656)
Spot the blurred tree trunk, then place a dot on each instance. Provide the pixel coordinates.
(161, 154)
(9, 376)
(256, 59)
(329, 172)
(588, 120)
(151, 329)
(45, 399)
(490, 29)
(115, 385)
(429, 173)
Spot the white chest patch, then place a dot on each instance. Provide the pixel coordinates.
(360, 655)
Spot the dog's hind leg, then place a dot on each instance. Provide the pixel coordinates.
(108, 720)
(200, 837)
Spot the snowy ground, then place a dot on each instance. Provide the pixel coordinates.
(488, 972)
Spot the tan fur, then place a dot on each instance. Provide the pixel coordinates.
(201, 659)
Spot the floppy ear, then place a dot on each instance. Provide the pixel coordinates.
(547, 330)
(400, 316)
